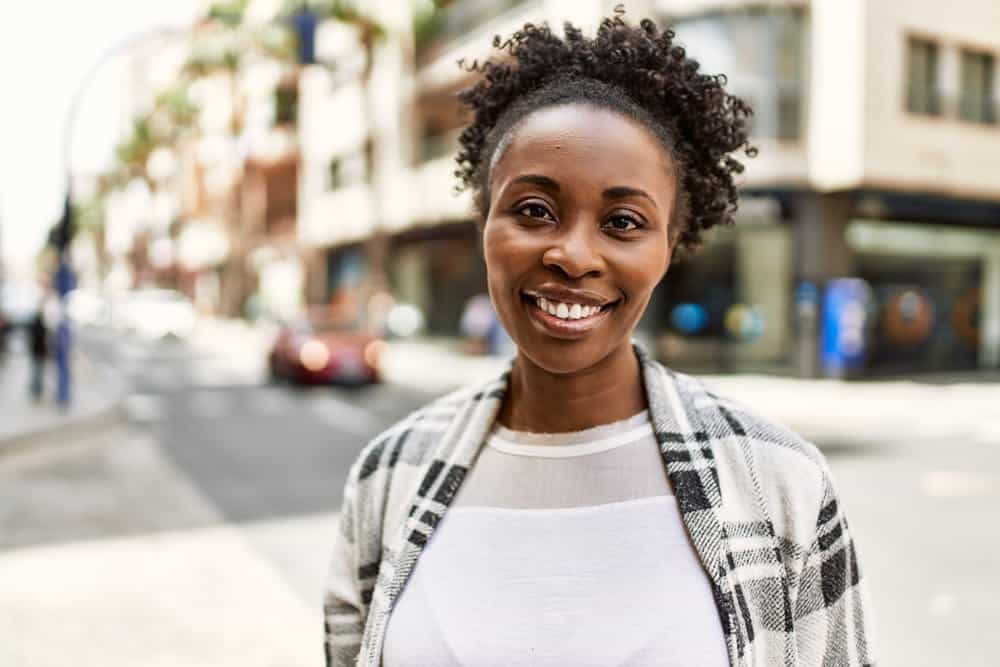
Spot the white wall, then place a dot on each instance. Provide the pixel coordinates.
(911, 152)
(835, 125)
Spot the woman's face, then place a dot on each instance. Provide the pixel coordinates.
(580, 204)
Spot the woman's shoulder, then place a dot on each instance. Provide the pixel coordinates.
(724, 415)
(752, 450)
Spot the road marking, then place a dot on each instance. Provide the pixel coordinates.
(144, 408)
(345, 416)
(958, 484)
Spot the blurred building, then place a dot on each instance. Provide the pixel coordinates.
(209, 200)
(879, 145)
(879, 154)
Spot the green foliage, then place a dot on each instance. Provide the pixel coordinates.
(135, 149)
(89, 215)
(228, 13)
(177, 106)
(218, 44)
(277, 41)
(428, 22)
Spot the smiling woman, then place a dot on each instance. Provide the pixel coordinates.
(590, 505)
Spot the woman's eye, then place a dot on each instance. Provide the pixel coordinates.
(624, 223)
(535, 211)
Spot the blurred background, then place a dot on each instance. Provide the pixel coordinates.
(232, 252)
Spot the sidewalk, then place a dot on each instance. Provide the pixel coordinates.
(97, 397)
(831, 413)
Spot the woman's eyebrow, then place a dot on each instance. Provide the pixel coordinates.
(622, 191)
(537, 179)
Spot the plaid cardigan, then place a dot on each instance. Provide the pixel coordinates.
(757, 500)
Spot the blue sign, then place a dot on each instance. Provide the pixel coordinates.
(845, 306)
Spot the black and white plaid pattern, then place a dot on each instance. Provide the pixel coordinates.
(757, 500)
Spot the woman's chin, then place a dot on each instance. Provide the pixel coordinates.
(560, 357)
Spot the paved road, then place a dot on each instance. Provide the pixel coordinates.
(257, 451)
(197, 533)
(203, 524)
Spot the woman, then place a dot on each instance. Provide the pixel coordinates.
(590, 506)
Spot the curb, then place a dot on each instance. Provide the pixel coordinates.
(105, 415)
(79, 425)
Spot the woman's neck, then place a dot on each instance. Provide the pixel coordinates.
(538, 401)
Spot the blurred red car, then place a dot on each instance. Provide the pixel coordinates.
(320, 350)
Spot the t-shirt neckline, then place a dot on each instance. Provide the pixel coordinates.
(592, 440)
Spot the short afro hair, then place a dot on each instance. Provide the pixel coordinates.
(637, 71)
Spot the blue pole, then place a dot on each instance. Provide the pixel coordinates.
(64, 284)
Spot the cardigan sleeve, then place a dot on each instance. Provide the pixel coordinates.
(344, 610)
(832, 608)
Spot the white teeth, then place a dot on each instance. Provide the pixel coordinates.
(566, 311)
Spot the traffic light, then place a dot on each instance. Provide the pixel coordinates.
(62, 233)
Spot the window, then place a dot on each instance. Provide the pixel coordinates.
(761, 52)
(922, 93)
(436, 142)
(334, 178)
(976, 102)
(346, 170)
(286, 105)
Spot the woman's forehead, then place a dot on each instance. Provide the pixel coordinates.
(581, 140)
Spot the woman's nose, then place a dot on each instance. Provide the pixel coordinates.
(574, 252)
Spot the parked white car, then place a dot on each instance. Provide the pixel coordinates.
(155, 313)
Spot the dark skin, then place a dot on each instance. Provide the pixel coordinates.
(581, 197)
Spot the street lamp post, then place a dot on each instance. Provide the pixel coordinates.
(62, 235)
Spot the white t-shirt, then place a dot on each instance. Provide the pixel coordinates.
(560, 549)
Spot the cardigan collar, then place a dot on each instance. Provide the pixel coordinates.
(679, 431)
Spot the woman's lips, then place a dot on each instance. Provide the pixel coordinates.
(567, 329)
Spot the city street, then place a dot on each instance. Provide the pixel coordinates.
(198, 199)
(202, 525)
(196, 531)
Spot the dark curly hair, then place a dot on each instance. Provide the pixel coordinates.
(637, 71)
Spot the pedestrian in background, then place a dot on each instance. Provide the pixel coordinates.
(590, 505)
(38, 348)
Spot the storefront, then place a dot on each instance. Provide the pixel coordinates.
(727, 305)
(935, 295)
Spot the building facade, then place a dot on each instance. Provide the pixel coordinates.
(879, 163)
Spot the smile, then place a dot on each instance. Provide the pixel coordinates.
(565, 320)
